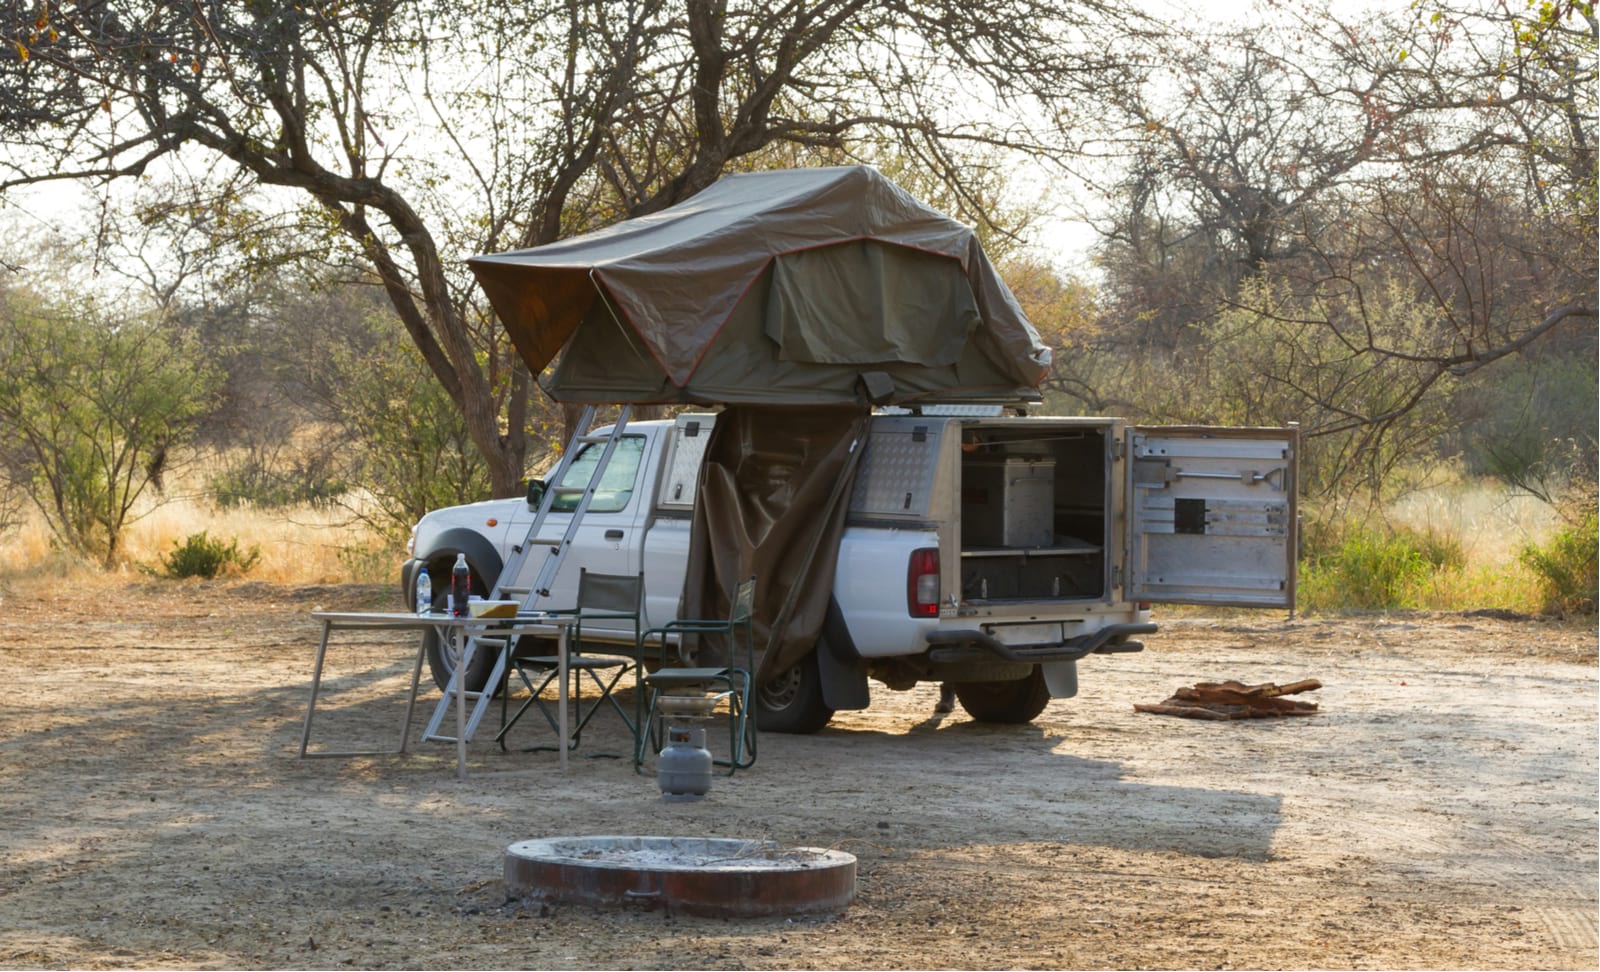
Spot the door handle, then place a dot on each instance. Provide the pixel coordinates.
(613, 534)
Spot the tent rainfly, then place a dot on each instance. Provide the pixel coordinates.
(803, 286)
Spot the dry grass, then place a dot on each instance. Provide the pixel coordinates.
(1491, 522)
(298, 546)
(1455, 547)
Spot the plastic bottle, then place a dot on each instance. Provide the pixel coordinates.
(424, 592)
(460, 586)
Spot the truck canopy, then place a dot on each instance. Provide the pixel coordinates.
(805, 286)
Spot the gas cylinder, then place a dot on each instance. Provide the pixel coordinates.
(684, 767)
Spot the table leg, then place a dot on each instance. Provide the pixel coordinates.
(561, 694)
(411, 703)
(461, 703)
(316, 684)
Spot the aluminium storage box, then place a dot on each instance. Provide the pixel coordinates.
(1008, 502)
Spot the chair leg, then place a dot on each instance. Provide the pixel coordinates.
(605, 689)
(533, 696)
(647, 729)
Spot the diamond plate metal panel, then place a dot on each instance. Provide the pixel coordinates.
(897, 470)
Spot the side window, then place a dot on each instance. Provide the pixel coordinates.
(616, 485)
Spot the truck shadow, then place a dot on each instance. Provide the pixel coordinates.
(1024, 784)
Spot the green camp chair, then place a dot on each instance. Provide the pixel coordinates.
(727, 683)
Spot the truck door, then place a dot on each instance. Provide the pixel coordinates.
(610, 536)
(1212, 516)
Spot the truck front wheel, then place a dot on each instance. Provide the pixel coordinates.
(792, 701)
(1010, 703)
(440, 664)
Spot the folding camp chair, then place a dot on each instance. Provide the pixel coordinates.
(728, 683)
(601, 597)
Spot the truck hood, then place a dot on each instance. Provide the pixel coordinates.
(471, 516)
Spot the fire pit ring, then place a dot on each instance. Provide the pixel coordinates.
(711, 876)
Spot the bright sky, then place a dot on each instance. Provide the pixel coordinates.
(1062, 239)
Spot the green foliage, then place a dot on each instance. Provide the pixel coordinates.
(406, 441)
(264, 481)
(1534, 422)
(95, 407)
(1358, 566)
(200, 556)
(1566, 564)
(370, 563)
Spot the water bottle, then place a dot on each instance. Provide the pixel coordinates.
(460, 586)
(424, 592)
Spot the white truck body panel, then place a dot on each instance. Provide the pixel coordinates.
(1048, 530)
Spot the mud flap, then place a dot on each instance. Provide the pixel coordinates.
(844, 686)
(1061, 678)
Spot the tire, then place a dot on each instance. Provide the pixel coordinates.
(439, 664)
(441, 668)
(792, 702)
(1008, 703)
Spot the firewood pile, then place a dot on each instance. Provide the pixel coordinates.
(1236, 700)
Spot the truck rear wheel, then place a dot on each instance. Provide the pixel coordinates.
(792, 701)
(1009, 703)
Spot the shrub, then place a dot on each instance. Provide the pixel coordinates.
(200, 556)
(95, 407)
(1364, 567)
(404, 439)
(265, 483)
(368, 563)
(1565, 565)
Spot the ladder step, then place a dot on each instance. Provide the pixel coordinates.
(468, 696)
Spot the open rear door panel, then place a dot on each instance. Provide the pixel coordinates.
(1212, 516)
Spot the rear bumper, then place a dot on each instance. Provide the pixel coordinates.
(967, 644)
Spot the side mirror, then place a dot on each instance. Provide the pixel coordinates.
(535, 493)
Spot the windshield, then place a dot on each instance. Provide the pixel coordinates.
(616, 484)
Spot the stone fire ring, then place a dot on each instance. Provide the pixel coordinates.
(690, 875)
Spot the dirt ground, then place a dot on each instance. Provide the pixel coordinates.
(1441, 811)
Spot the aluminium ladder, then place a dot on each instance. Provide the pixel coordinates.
(544, 554)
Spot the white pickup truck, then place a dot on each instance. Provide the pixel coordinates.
(989, 552)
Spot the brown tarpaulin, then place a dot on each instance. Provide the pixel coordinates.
(774, 489)
(770, 288)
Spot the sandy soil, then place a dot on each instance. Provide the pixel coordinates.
(1440, 812)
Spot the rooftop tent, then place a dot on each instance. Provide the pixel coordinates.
(782, 287)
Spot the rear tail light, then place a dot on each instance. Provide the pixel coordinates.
(922, 583)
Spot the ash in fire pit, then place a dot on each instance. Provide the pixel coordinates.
(694, 875)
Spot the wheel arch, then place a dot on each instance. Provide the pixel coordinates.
(482, 556)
